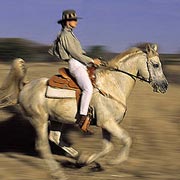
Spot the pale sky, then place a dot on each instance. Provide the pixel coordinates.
(116, 24)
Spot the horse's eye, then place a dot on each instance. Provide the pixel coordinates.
(155, 65)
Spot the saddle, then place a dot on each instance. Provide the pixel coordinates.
(64, 80)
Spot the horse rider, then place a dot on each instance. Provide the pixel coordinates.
(68, 48)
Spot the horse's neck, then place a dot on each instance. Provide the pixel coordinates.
(118, 83)
(126, 80)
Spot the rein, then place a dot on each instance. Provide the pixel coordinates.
(127, 73)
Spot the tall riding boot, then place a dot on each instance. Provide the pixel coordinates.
(84, 122)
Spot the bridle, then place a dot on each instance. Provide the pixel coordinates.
(129, 74)
(104, 64)
(149, 55)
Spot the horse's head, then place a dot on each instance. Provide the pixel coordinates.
(152, 70)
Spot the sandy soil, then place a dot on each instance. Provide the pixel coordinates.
(152, 120)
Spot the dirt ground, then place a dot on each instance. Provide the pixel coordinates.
(152, 120)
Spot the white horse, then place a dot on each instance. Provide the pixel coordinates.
(113, 86)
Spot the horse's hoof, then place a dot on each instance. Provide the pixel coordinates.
(96, 167)
(91, 159)
(58, 178)
(58, 175)
(117, 161)
(82, 160)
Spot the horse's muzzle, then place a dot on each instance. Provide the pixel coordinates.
(160, 87)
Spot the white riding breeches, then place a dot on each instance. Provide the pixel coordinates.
(79, 72)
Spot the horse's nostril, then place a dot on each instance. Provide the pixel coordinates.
(165, 85)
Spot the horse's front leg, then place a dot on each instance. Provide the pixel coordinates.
(117, 131)
(107, 147)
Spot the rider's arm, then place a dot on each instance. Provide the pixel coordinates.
(73, 47)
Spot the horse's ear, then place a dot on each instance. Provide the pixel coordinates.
(151, 47)
(154, 47)
(148, 48)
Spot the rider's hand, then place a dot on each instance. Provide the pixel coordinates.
(97, 62)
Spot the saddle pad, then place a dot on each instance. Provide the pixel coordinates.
(60, 93)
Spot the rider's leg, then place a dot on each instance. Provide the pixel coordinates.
(79, 71)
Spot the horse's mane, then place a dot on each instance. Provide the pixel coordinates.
(12, 84)
(126, 54)
(137, 49)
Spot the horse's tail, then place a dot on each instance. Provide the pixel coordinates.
(13, 83)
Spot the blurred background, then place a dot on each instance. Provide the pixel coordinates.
(28, 29)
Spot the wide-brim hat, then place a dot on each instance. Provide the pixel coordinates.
(67, 15)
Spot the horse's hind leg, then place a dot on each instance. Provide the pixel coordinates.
(55, 133)
(122, 135)
(42, 145)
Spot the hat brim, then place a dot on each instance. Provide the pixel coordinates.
(62, 20)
